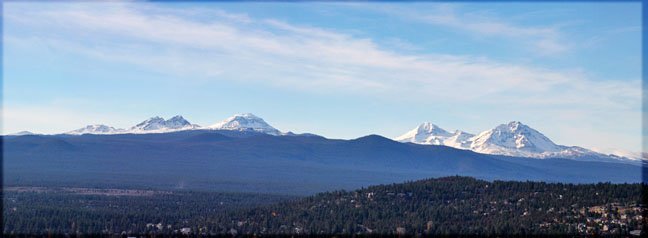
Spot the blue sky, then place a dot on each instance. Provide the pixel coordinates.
(342, 70)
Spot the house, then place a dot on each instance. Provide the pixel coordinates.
(597, 209)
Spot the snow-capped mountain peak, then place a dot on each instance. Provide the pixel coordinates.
(426, 133)
(515, 125)
(245, 122)
(95, 129)
(512, 138)
(177, 122)
(152, 123)
(430, 128)
(158, 124)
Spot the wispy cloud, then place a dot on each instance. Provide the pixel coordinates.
(304, 57)
(544, 40)
(223, 46)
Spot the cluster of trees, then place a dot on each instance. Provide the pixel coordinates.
(450, 205)
(59, 212)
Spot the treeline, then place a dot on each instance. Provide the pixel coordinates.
(450, 205)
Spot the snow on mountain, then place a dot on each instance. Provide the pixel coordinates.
(152, 125)
(159, 125)
(245, 122)
(459, 139)
(515, 139)
(95, 129)
(431, 134)
(580, 153)
(426, 133)
(512, 139)
(623, 153)
(240, 122)
(22, 133)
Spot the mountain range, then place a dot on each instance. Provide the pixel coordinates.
(243, 153)
(511, 139)
(245, 121)
(251, 161)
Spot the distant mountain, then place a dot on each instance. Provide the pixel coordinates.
(290, 133)
(511, 139)
(96, 129)
(22, 133)
(152, 125)
(515, 139)
(431, 134)
(239, 122)
(249, 161)
(158, 124)
(426, 133)
(245, 122)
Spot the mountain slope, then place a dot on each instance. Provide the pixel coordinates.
(245, 122)
(239, 122)
(511, 139)
(158, 124)
(515, 139)
(431, 134)
(152, 125)
(226, 160)
(96, 129)
(22, 133)
(459, 139)
(426, 133)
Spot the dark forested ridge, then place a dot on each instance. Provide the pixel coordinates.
(227, 161)
(449, 205)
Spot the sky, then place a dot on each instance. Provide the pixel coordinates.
(342, 70)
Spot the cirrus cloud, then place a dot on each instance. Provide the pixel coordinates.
(217, 45)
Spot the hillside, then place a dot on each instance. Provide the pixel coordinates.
(449, 205)
(456, 205)
(244, 161)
